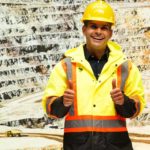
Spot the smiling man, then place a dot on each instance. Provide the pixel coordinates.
(97, 34)
(99, 90)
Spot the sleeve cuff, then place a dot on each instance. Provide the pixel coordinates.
(58, 109)
(128, 109)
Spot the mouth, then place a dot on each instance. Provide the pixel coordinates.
(98, 38)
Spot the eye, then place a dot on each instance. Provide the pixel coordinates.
(93, 26)
(106, 27)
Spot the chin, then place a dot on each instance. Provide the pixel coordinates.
(98, 45)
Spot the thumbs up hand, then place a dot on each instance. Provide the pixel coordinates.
(69, 94)
(116, 94)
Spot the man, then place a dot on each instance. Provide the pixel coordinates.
(105, 88)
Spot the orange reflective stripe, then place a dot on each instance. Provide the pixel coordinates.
(137, 106)
(122, 74)
(75, 123)
(70, 69)
(49, 101)
(119, 76)
(64, 66)
(86, 117)
(95, 123)
(74, 88)
(83, 129)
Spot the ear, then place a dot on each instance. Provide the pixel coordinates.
(111, 33)
(83, 29)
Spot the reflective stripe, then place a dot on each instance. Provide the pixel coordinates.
(90, 129)
(119, 76)
(91, 124)
(88, 117)
(73, 109)
(122, 74)
(70, 71)
(94, 123)
(48, 105)
(67, 60)
(137, 106)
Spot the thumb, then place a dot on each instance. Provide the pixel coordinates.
(70, 84)
(114, 84)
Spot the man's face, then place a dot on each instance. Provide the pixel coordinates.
(97, 34)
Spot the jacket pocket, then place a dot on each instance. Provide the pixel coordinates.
(76, 138)
(119, 139)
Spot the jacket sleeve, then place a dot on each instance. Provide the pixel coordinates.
(128, 109)
(133, 95)
(58, 109)
(52, 99)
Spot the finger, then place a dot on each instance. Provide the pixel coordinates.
(114, 91)
(68, 99)
(70, 84)
(119, 98)
(67, 104)
(114, 84)
(69, 93)
(119, 102)
(116, 94)
(68, 96)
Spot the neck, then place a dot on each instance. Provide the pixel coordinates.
(98, 53)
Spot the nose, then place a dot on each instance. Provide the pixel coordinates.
(98, 30)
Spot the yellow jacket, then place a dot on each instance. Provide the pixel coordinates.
(90, 91)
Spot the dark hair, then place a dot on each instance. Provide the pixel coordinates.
(86, 22)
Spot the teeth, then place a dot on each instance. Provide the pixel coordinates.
(97, 39)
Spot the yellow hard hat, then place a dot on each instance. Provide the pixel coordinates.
(99, 11)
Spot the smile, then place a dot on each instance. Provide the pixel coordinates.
(97, 38)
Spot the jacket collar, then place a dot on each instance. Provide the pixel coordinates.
(77, 54)
(89, 56)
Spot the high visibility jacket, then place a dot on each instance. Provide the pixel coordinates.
(93, 109)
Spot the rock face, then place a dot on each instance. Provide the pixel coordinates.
(34, 34)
